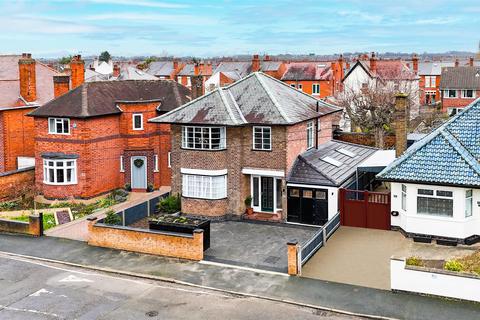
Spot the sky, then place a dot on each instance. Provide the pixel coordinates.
(203, 28)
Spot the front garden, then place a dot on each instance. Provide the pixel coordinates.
(469, 264)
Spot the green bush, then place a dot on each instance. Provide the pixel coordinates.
(248, 201)
(453, 265)
(414, 261)
(106, 202)
(170, 204)
(112, 218)
(8, 205)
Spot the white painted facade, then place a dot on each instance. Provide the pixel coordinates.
(458, 226)
(332, 197)
(439, 284)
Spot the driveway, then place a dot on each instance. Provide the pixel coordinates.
(361, 256)
(254, 244)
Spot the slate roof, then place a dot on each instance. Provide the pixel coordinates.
(460, 78)
(189, 69)
(433, 68)
(100, 98)
(309, 168)
(308, 71)
(242, 68)
(255, 99)
(132, 73)
(160, 68)
(270, 65)
(449, 155)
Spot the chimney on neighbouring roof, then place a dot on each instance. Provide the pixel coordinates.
(61, 85)
(116, 70)
(266, 58)
(470, 61)
(255, 63)
(28, 79)
(197, 86)
(373, 63)
(196, 69)
(457, 63)
(415, 63)
(400, 123)
(77, 67)
(175, 65)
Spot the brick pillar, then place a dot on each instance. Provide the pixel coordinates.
(28, 79)
(292, 252)
(197, 86)
(36, 225)
(77, 67)
(91, 222)
(61, 85)
(400, 123)
(197, 244)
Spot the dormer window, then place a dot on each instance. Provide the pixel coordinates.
(58, 125)
(137, 120)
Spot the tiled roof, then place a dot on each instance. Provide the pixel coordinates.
(448, 156)
(309, 168)
(132, 73)
(255, 99)
(460, 78)
(100, 98)
(308, 71)
(189, 70)
(386, 70)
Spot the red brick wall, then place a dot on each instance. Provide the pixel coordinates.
(457, 102)
(326, 87)
(12, 183)
(364, 139)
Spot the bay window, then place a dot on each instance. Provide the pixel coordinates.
(204, 187)
(60, 171)
(58, 125)
(203, 138)
(435, 202)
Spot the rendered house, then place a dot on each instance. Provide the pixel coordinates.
(435, 184)
(241, 140)
(95, 138)
(460, 86)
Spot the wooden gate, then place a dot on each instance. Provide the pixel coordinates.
(365, 209)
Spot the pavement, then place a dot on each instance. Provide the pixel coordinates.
(40, 290)
(361, 256)
(78, 229)
(260, 245)
(329, 296)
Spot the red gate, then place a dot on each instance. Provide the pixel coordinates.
(364, 209)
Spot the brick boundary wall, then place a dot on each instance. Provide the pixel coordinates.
(33, 227)
(292, 256)
(168, 244)
(14, 180)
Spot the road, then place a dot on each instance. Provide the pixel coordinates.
(38, 290)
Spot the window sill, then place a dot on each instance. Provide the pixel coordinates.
(211, 150)
(262, 150)
(208, 199)
(60, 134)
(60, 184)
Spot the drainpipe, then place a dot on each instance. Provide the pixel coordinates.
(316, 128)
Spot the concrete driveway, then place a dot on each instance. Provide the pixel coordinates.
(254, 244)
(361, 256)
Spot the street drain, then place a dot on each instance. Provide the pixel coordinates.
(151, 313)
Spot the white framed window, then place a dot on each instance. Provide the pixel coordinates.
(427, 81)
(292, 85)
(468, 94)
(169, 159)
(433, 81)
(203, 138)
(468, 203)
(404, 197)
(300, 87)
(262, 138)
(450, 94)
(60, 171)
(137, 121)
(316, 89)
(122, 166)
(189, 82)
(204, 187)
(179, 79)
(435, 202)
(58, 125)
(155, 163)
(310, 134)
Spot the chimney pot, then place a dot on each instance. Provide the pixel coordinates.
(470, 62)
(196, 71)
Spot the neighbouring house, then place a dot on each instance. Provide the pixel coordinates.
(240, 141)
(430, 74)
(131, 73)
(190, 70)
(165, 70)
(25, 84)
(435, 184)
(96, 138)
(460, 85)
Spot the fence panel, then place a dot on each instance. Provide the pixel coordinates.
(332, 225)
(312, 245)
(135, 213)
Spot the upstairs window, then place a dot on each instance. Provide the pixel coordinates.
(262, 138)
(203, 138)
(315, 89)
(300, 87)
(450, 93)
(137, 120)
(310, 134)
(60, 172)
(467, 94)
(435, 202)
(292, 85)
(59, 125)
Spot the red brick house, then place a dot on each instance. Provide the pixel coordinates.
(460, 86)
(190, 70)
(241, 140)
(96, 138)
(25, 84)
(430, 74)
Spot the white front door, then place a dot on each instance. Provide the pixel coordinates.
(139, 172)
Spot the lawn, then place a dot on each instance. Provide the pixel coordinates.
(48, 220)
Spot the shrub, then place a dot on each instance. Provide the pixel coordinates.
(8, 205)
(248, 201)
(106, 202)
(170, 204)
(128, 187)
(112, 218)
(453, 265)
(414, 261)
(150, 187)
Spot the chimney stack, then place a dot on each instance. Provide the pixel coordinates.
(267, 58)
(28, 79)
(415, 63)
(400, 123)
(175, 65)
(196, 69)
(77, 67)
(457, 63)
(255, 63)
(197, 86)
(61, 85)
(116, 70)
(373, 63)
(470, 61)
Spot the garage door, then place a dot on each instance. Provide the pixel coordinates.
(308, 206)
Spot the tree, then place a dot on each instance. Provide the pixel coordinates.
(105, 56)
(65, 60)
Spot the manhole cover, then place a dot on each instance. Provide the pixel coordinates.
(151, 313)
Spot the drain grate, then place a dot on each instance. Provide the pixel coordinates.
(151, 314)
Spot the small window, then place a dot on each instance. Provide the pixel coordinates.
(279, 193)
(451, 93)
(467, 94)
(404, 197)
(155, 163)
(300, 87)
(307, 194)
(292, 85)
(58, 125)
(294, 193)
(137, 121)
(262, 138)
(122, 167)
(316, 89)
(468, 203)
(169, 159)
(426, 192)
(320, 195)
(310, 134)
(256, 192)
(346, 152)
(332, 161)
